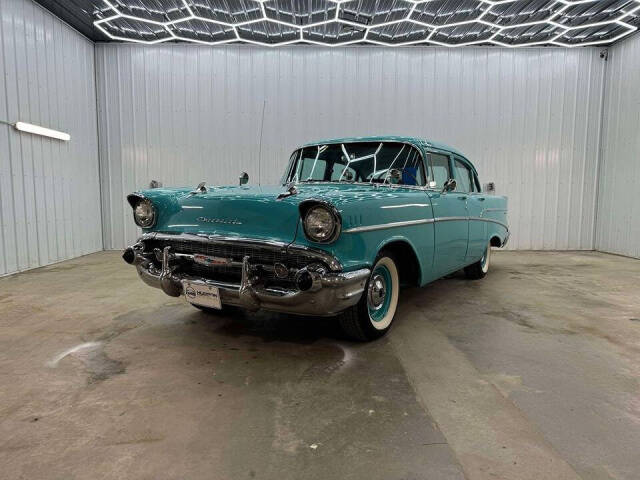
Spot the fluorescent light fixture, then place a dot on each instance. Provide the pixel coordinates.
(38, 130)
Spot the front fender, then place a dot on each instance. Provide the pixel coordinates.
(424, 258)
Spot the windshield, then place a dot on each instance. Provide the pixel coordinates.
(362, 162)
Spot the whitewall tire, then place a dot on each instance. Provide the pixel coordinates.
(481, 267)
(372, 317)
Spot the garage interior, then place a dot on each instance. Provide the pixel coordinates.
(530, 373)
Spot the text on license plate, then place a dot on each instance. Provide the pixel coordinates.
(203, 295)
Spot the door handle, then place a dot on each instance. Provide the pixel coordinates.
(463, 197)
(481, 199)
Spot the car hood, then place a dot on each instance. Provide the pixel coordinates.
(251, 211)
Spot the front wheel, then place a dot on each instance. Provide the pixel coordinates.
(372, 316)
(481, 267)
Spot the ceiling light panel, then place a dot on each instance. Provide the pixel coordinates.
(335, 33)
(523, 12)
(452, 23)
(400, 33)
(268, 33)
(153, 10)
(300, 12)
(466, 34)
(202, 32)
(446, 13)
(375, 12)
(599, 11)
(608, 32)
(536, 34)
(226, 11)
(135, 30)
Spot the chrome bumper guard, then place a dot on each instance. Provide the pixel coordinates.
(329, 293)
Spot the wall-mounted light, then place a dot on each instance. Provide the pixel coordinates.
(38, 130)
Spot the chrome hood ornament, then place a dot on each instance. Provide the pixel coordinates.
(201, 188)
(291, 190)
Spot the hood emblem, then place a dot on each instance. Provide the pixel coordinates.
(211, 261)
(226, 221)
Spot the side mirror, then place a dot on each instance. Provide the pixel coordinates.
(244, 178)
(449, 185)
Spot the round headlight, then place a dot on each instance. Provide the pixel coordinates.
(320, 224)
(144, 213)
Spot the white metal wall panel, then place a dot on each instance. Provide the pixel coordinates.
(618, 225)
(529, 119)
(49, 190)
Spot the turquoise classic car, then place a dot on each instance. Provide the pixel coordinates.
(352, 221)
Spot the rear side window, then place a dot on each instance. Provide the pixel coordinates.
(464, 176)
(440, 166)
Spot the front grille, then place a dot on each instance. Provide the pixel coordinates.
(237, 252)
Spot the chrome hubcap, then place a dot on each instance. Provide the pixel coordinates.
(377, 291)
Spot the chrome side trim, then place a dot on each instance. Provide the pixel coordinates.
(478, 219)
(490, 220)
(450, 219)
(494, 210)
(333, 263)
(382, 226)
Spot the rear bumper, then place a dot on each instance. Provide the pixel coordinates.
(329, 293)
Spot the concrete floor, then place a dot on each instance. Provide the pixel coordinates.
(531, 373)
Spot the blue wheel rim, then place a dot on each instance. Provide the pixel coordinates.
(378, 312)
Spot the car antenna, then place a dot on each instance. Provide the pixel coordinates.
(264, 104)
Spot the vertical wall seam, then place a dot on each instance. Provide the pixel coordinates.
(600, 155)
(98, 143)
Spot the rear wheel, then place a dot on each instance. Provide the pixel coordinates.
(373, 315)
(481, 267)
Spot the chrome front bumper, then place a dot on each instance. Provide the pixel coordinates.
(329, 293)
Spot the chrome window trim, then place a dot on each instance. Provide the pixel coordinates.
(373, 185)
(333, 263)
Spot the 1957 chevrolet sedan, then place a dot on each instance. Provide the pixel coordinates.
(352, 221)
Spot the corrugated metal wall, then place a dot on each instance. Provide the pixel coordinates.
(529, 119)
(49, 190)
(619, 208)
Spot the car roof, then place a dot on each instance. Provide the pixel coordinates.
(420, 143)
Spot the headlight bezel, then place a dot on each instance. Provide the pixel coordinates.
(135, 200)
(307, 207)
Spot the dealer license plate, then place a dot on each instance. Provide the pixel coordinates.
(203, 295)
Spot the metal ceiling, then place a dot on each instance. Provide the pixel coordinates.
(451, 23)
